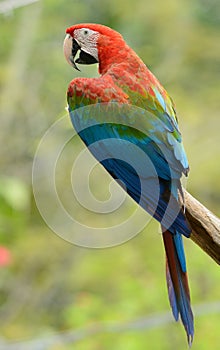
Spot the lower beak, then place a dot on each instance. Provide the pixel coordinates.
(75, 49)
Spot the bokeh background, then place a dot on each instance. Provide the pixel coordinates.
(57, 296)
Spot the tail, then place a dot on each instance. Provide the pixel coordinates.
(177, 282)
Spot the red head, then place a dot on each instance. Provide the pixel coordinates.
(96, 43)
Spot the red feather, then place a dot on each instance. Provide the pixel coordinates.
(178, 288)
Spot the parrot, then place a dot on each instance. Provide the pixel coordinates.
(125, 80)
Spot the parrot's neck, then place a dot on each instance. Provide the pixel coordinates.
(118, 54)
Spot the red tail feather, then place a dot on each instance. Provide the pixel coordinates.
(178, 288)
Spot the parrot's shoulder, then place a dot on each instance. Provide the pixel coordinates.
(86, 91)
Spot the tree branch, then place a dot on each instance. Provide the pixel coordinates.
(205, 227)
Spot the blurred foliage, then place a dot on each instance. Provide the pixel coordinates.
(51, 285)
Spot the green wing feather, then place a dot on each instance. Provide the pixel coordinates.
(83, 92)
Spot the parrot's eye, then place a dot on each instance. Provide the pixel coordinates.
(86, 32)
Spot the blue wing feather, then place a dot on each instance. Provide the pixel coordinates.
(114, 146)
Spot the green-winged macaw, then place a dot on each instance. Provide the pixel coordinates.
(125, 79)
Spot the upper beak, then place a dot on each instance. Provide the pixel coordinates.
(70, 49)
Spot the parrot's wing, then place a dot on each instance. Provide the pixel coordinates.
(162, 135)
(132, 144)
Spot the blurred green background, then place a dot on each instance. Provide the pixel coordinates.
(48, 286)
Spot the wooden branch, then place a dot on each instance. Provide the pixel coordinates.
(205, 227)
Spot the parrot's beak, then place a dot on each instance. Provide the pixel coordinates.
(70, 49)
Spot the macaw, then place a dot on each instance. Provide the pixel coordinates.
(126, 80)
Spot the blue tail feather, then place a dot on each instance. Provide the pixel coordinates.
(177, 283)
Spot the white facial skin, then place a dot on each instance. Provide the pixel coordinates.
(87, 40)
